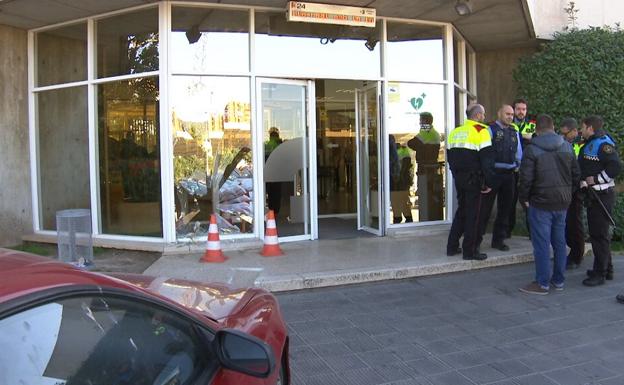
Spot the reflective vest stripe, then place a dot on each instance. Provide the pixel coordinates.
(465, 145)
(603, 186)
(603, 177)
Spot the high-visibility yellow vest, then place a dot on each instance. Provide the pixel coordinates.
(577, 148)
(471, 135)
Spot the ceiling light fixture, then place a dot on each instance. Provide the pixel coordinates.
(193, 34)
(463, 7)
(371, 43)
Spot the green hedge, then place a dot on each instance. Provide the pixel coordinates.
(618, 217)
(579, 73)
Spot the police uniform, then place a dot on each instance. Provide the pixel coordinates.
(574, 232)
(506, 144)
(471, 158)
(599, 158)
(526, 128)
(426, 144)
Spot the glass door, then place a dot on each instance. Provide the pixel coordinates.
(369, 157)
(284, 119)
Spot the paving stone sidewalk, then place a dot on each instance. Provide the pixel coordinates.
(472, 327)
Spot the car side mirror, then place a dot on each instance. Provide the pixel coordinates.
(243, 353)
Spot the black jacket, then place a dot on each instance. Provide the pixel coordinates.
(549, 173)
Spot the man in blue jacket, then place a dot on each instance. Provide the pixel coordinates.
(549, 175)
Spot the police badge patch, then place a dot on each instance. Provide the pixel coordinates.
(608, 149)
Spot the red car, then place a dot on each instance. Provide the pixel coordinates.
(63, 326)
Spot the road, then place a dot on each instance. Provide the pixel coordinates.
(465, 328)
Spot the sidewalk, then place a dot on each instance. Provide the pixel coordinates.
(311, 264)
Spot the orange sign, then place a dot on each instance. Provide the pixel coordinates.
(331, 14)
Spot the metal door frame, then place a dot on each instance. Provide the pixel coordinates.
(380, 156)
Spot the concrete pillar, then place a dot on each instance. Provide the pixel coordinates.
(15, 196)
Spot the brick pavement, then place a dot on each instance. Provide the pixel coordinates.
(472, 327)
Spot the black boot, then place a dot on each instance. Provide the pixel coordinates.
(608, 275)
(455, 251)
(594, 280)
(476, 256)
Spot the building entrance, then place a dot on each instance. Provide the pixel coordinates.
(322, 157)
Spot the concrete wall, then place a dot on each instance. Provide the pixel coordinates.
(549, 16)
(15, 196)
(495, 84)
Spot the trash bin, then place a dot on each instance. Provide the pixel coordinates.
(75, 242)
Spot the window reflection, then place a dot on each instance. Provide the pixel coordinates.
(416, 116)
(213, 166)
(128, 43)
(287, 48)
(63, 152)
(206, 39)
(415, 51)
(129, 150)
(62, 55)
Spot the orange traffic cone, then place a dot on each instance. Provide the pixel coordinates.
(213, 245)
(271, 245)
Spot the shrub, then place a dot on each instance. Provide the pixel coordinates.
(579, 73)
(618, 217)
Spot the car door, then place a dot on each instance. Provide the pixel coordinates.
(101, 340)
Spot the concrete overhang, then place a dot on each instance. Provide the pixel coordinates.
(493, 24)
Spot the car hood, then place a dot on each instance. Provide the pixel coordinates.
(214, 300)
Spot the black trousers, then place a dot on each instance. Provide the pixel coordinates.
(503, 192)
(514, 202)
(512, 212)
(274, 196)
(468, 216)
(574, 232)
(598, 224)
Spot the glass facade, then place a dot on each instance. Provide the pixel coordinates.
(212, 154)
(62, 55)
(415, 52)
(166, 153)
(127, 43)
(129, 155)
(316, 49)
(416, 129)
(64, 155)
(209, 40)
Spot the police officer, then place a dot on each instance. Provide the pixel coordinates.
(508, 152)
(426, 144)
(526, 125)
(471, 158)
(574, 232)
(600, 164)
(526, 128)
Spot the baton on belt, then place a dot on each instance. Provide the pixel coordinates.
(602, 206)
